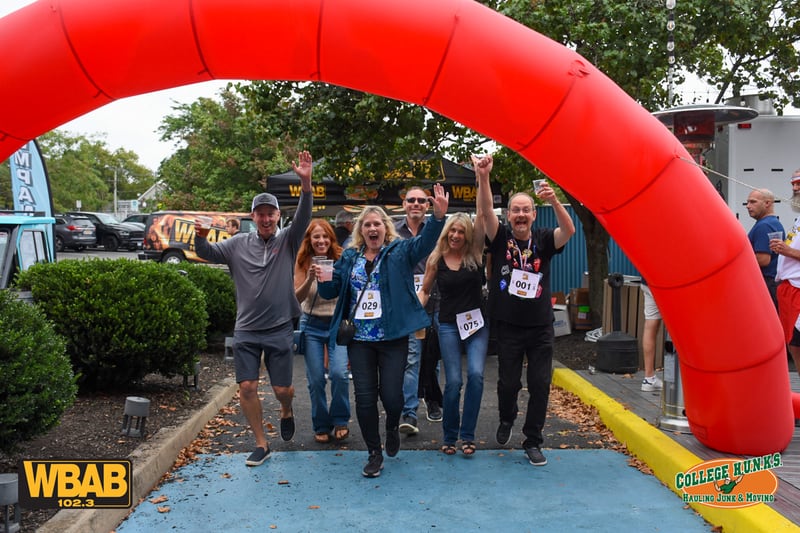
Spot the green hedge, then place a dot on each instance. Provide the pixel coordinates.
(220, 292)
(36, 380)
(122, 319)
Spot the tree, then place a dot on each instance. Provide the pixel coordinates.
(82, 168)
(732, 43)
(226, 152)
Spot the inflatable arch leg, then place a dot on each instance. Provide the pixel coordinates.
(482, 69)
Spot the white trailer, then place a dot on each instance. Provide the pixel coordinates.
(757, 154)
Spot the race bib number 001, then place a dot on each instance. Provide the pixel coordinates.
(524, 284)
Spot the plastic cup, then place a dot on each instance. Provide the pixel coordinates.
(317, 258)
(205, 222)
(538, 184)
(326, 270)
(775, 235)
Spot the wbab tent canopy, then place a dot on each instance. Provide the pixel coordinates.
(331, 196)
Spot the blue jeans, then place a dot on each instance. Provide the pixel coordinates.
(323, 417)
(475, 347)
(378, 372)
(411, 377)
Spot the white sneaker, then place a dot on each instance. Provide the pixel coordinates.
(652, 384)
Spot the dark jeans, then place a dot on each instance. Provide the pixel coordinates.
(429, 367)
(514, 343)
(378, 369)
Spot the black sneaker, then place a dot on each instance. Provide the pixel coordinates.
(258, 456)
(287, 428)
(392, 442)
(434, 411)
(409, 425)
(535, 456)
(374, 465)
(504, 433)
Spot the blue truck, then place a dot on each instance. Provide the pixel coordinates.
(26, 238)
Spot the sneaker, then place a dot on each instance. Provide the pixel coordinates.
(434, 411)
(409, 425)
(374, 465)
(392, 442)
(258, 456)
(504, 433)
(535, 456)
(287, 428)
(652, 384)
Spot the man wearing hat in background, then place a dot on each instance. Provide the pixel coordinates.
(262, 266)
(788, 277)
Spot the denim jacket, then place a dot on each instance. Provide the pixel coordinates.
(403, 313)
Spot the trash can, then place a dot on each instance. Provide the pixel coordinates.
(673, 411)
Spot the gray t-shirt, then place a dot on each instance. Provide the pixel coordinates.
(263, 271)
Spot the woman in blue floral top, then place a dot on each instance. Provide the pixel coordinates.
(381, 265)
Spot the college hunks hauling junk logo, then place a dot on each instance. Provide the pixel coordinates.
(731, 483)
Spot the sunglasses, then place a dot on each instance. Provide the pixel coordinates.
(417, 200)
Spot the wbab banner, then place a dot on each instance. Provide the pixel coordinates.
(29, 181)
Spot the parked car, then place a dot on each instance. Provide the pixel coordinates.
(113, 234)
(140, 219)
(75, 232)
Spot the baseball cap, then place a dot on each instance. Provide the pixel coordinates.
(265, 198)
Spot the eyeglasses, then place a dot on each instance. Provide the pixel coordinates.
(525, 210)
(413, 200)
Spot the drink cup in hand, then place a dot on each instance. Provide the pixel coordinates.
(538, 185)
(773, 235)
(326, 270)
(205, 222)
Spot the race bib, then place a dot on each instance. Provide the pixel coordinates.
(524, 284)
(469, 322)
(418, 282)
(369, 306)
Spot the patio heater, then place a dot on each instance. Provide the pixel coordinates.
(694, 126)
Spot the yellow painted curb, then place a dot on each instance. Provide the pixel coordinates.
(666, 457)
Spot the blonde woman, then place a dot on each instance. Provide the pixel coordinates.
(456, 266)
(374, 282)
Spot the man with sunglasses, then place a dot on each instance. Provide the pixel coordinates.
(415, 205)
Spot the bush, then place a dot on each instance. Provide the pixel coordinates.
(36, 380)
(220, 292)
(122, 319)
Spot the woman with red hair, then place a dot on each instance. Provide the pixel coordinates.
(328, 420)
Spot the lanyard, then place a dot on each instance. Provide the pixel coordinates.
(523, 259)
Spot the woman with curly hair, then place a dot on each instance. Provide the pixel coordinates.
(328, 420)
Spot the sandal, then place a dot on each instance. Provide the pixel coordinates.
(322, 438)
(448, 449)
(468, 448)
(341, 432)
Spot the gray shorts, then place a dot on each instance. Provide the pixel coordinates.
(651, 311)
(276, 345)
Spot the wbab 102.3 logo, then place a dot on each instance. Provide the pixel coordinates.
(731, 483)
(75, 484)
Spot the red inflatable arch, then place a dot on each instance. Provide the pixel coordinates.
(64, 58)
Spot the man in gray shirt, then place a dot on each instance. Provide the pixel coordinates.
(262, 266)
